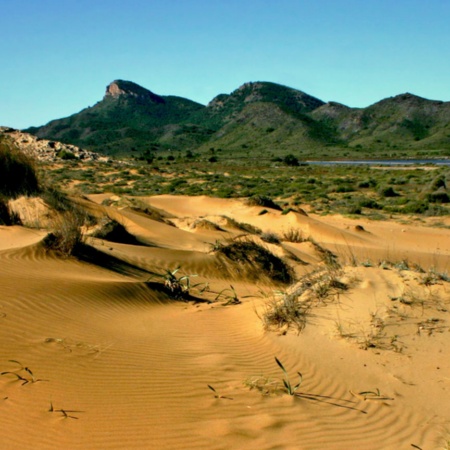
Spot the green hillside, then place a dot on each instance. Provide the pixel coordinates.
(129, 118)
(257, 118)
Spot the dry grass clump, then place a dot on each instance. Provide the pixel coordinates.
(286, 311)
(292, 309)
(67, 236)
(17, 177)
(7, 216)
(294, 235)
(270, 238)
(256, 260)
(433, 277)
(242, 226)
(204, 224)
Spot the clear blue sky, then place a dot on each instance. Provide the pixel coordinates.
(57, 56)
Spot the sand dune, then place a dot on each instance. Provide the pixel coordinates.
(93, 357)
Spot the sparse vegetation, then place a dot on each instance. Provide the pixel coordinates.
(22, 374)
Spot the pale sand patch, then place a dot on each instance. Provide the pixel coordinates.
(117, 364)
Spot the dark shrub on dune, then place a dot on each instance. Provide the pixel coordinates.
(17, 171)
(261, 200)
(258, 260)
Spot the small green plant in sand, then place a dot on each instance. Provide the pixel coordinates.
(230, 296)
(64, 412)
(22, 373)
(218, 396)
(269, 387)
(371, 395)
(177, 286)
(290, 389)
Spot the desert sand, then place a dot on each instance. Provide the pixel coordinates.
(93, 357)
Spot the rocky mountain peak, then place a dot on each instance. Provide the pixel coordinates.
(121, 88)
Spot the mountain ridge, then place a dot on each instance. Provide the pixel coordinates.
(263, 114)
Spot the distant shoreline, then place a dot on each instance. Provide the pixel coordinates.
(382, 162)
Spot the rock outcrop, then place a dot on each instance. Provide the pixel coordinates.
(44, 150)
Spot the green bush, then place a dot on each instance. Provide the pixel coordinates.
(439, 196)
(388, 191)
(291, 160)
(66, 155)
(369, 203)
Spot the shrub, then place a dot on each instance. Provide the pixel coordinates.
(439, 196)
(286, 311)
(369, 203)
(261, 200)
(416, 207)
(294, 235)
(5, 214)
(248, 228)
(355, 209)
(388, 192)
(438, 182)
(66, 237)
(291, 160)
(256, 260)
(367, 183)
(66, 155)
(114, 231)
(17, 172)
(57, 200)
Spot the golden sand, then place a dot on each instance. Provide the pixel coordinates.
(92, 357)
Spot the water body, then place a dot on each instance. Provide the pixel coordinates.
(390, 162)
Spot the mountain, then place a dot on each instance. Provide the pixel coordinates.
(261, 116)
(403, 121)
(128, 118)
